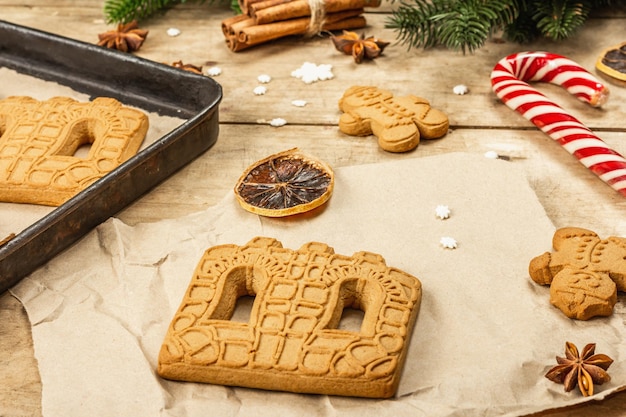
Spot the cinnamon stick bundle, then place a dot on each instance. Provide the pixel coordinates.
(301, 8)
(266, 20)
(257, 34)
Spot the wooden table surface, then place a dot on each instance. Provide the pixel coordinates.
(571, 195)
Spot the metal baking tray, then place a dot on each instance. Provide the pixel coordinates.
(97, 71)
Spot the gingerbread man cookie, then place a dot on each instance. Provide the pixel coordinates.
(584, 272)
(291, 340)
(398, 122)
(39, 140)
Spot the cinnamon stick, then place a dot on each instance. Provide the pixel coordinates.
(244, 5)
(227, 24)
(301, 8)
(236, 27)
(264, 4)
(257, 34)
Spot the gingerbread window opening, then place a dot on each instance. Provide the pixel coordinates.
(243, 309)
(357, 306)
(239, 287)
(351, 320)
(82, 135)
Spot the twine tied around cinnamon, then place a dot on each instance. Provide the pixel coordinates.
(266, 20)
(318, 16)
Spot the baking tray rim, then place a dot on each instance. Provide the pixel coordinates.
(193, 131)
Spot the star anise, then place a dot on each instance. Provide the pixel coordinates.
(584, 369)
(360, 47)
(187, 67)
(126, 38)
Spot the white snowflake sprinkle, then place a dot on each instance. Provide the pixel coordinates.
(278, 122)
(460, 89)
(264, 78)
(448, 242)
(324, 72)
(443, 212)
(173, 32)
(299, 103)
(310, 73)
(260, 90)
(214, 71)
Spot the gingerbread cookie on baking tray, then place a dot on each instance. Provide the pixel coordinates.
(39, 140)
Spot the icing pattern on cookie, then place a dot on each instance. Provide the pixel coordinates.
(39, 139)
(291, 341)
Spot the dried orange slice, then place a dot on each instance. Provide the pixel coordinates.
(612, 63)
(285, 183)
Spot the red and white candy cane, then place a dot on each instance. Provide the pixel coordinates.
(508, 80)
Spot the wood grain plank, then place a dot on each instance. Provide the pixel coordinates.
(570, 194)
(431, 73)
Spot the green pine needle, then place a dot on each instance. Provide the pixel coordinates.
(559, 19)
(466, 25)
(415, 24)
(459, 25)
(124, 11)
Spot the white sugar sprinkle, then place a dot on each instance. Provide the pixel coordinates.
(278, 122)
(299, 103)
(173, 32)
(448, 242)
(310, 73)
(214, 71)
(264, 78)
(460, 89)
(443, 212)
(260, 90)
(492, 155)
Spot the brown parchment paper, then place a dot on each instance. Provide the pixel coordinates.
(16, 217)
(484, 337)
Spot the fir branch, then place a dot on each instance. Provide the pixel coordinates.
(558, 19)
(468, 25)
(524, 28)
(459, 25)
(415, 24)
(124, 11)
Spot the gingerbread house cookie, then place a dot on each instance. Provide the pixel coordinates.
(291, 341)
(39, 139)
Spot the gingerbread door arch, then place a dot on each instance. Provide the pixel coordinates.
(291, 341)
(38, 140)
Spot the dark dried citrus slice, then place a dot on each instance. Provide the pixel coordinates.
(612, 63)
(285, 183)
